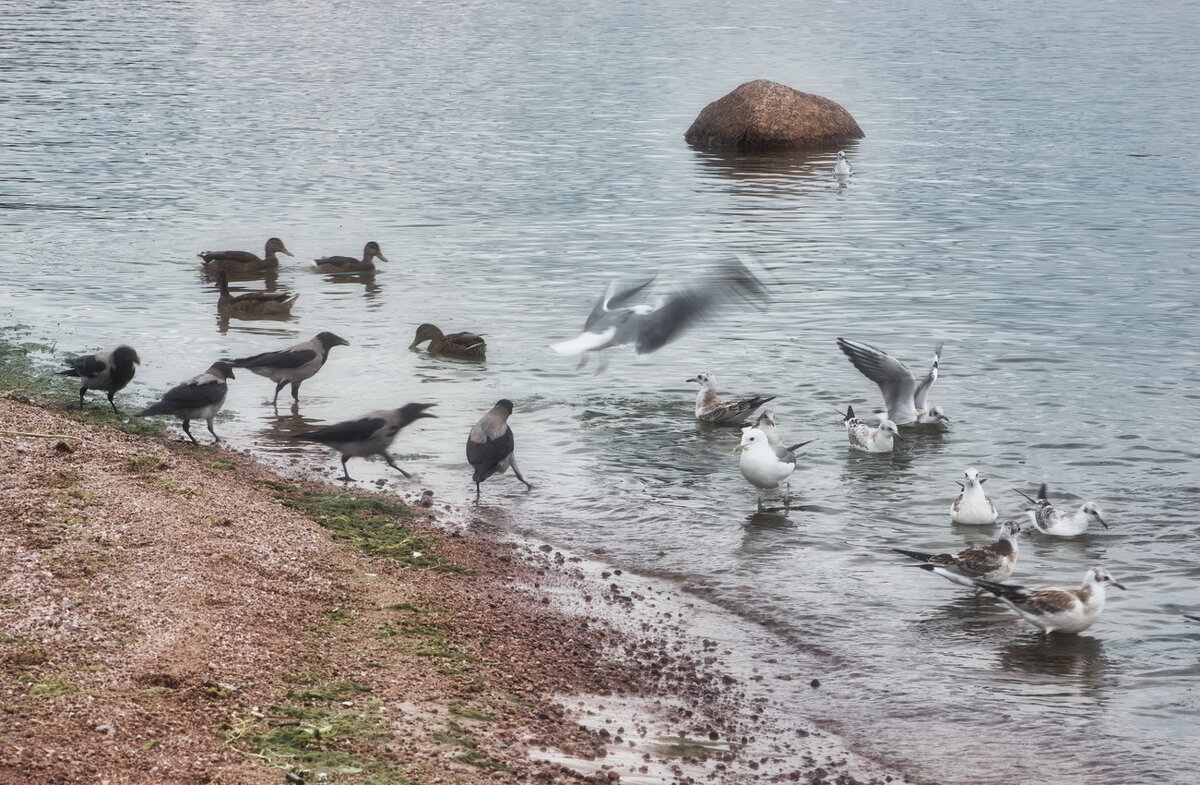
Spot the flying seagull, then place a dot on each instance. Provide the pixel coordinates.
(490, 445)
(1048, 520)
(903, 397)
(199, 398)
(993, 562)
(614, 321)
(108, 372)
(973, 507)
(369, 435)
(294, 364)
(1054, 608)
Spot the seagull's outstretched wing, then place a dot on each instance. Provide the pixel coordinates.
(732, 281)
(893, 377)
(931, 377)
(613, 300)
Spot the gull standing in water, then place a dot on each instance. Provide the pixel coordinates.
(903, 397)
(614, 321)
(1054, 608)
(864, 437)
(993, 562)
(842, 168)
(973, 507)
(764, 466)
(710, 408)
(1048, 520)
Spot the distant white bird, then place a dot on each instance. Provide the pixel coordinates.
(199, 398)
(903, 397)
(294, 364)
(973, 507)
(710, 408)
(764, 466)
(993, 562)
(842, 168)
(1047, 520)
(864, 437)
(369, 435)
(108, 372)
(490, 445)
(614, 321)
(1054, 608)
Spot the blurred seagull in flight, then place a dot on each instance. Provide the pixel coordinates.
(903, 397)
(993, 562)
(973, 507)
(1054, 608)
(710, 408)
(616, 319)
(1048, 520)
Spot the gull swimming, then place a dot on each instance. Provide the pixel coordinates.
(842, 168)
(993, 562)
(764, 466)
(710, 408)
(1054, 608)
(1048, 520)
(864, 437)
(766, 424)
(903, 397)
(614, 321)
(973, 507)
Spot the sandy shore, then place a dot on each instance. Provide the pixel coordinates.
(179, 614)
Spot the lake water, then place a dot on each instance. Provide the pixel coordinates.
(1026, 193)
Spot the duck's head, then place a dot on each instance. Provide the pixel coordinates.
(1100, 575)
(1093, 512)
(371, 249)
(275, 245)
(426, 332)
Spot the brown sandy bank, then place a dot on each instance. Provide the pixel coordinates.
(185, 615)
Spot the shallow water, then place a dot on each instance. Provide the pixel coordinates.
(1024, 193)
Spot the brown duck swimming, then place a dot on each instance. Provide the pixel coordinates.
(348, 264)
(455, 344)
(253, 303)
(244, 261)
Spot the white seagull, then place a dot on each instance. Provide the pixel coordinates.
(973, 507)
(993, 562)
(842, 168)
(764, 466)
(903, 397)
(1054, 608)
(710, 408)
(864, 437)
(1050, 521)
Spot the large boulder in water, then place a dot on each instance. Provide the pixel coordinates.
(765, 115)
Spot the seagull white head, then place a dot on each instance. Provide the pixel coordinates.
(704, 379)
(1093, 512)
(937, 415)
(1009, 530)
(841, 155)
(1101, 576)
(750, 438)
(972, 476)
(887, 426)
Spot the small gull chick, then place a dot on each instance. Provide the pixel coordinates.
(490, 445)
(614, 321)
(369, 435)
(764, 466)
(903, 397)
(294, 364)
(1047, 520)
(864, 437)
(710, 408)
(993, 562)
(199, 398)
(973, 507)
(108, 372)
(1054, 608)
(842, 168)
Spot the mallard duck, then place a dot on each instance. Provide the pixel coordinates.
(265, 303)
(456, 344)
(244, 261)
(348, 264)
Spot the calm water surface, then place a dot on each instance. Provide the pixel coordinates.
(1026, 193)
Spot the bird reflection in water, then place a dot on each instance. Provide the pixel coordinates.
(286, 422)
(370, 289)
(1073, 664)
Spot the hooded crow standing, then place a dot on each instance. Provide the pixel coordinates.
(369, 435)
(490, 445)
(292, 365)
(199, 398)
(108, 372)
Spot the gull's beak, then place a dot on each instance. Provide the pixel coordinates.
(739, 448)
(898, 436)
(1105, 525)
(695, 379)
(1119, 586)
(286, 251)
(981, 482)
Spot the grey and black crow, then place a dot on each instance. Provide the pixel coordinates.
(108, 371)
(369, 435)
(292, 365)
(199, 398)
(490, 445)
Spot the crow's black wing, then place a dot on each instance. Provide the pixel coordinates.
(349, 431)
(287, 358)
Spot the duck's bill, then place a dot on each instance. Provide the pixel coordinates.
(382, 258)
(286, 252)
